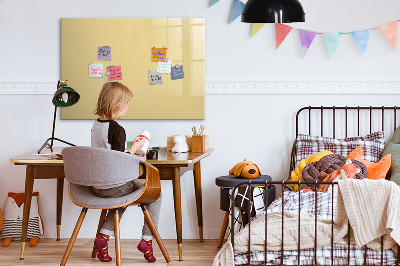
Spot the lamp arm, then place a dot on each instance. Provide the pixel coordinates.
(54, 126)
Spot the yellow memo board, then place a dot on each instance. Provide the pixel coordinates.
(131, 41)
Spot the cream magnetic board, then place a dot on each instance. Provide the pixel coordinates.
(161, 60)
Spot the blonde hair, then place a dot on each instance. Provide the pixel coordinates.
(113, 98)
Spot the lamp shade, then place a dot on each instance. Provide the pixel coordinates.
(273, 11)
(65, 96)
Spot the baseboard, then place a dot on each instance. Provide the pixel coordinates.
(247, 87)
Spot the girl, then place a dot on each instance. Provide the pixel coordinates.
(106, 133)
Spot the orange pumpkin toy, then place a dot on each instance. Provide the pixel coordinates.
(245, 169)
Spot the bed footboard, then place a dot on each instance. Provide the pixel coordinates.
(383, 258)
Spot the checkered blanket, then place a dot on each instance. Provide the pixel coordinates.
(324, 206)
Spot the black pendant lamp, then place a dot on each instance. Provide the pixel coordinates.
(273, 11)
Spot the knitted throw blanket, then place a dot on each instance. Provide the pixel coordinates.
(373, 209)
(274, 235)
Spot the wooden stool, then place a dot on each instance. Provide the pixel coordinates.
(226, 183)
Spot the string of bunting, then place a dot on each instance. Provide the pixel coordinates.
(361, 37)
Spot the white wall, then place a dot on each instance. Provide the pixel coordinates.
(259, 127)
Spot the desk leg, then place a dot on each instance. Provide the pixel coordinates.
(197, 189)
(27, 206)
(60, 190)
(176, 182)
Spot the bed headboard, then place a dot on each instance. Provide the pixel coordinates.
(344, 121)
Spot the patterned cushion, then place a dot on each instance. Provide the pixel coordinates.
(372, 144)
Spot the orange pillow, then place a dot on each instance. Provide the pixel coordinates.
(375, 170)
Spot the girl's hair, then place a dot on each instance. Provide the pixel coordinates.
(113, 98)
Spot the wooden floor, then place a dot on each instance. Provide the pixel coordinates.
(50, 252)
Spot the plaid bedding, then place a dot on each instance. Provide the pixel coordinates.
(372, 145)
(322, 207)
(324, 257)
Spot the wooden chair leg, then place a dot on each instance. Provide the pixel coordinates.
(73, 237)
(117, 238)
(223, 229)
(101, 222)
(154, 230)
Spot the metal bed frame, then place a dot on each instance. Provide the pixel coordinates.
(283, 184)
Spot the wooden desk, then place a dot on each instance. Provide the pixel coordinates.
(171, 167)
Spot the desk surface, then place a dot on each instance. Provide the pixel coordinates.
(164, 157)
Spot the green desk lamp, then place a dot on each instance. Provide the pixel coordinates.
(64, 96)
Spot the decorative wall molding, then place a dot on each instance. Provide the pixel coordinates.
(303, 87)
(28, 88)
(249, 87)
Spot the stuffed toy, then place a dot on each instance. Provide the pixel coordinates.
(348, 170)
(180, 144)
(328, 164)
(375, 170)
(245, 169)
(13, 215)
(296, 174)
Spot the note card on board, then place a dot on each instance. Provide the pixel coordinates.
(155, 78)
(177, 72)
(95, 70)
(164, 67)
(158, 54)
(104, 53)
(115, 73)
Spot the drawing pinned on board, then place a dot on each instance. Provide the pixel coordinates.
(104, 53)
(164, 67)
(158, 54)
(115, 73)
(155, 78)
(95, 70)
(177, 72)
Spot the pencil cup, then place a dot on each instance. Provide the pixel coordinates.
(200, 143)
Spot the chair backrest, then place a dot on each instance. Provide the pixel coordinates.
(92, 166)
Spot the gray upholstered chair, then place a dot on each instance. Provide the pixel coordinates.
(85, 167)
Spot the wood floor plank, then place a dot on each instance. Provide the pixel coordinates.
(49, 252)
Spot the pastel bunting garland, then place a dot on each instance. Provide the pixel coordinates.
(332, 42)
(389, 30)
(361, 37)
(256, 27)
(237, 8)
(306, 39)
(213, 2)
(281, 31)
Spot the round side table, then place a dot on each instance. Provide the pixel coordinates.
(228, 182)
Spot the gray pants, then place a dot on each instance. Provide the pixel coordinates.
(154, 208)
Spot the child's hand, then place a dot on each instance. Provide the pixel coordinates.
(137, 144)
(142, 155)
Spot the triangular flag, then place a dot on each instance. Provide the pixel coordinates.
(306, 39)
(281, 31)
(237, 9)
(332, 41)
(255, 28)
(361, 37)
(390, 32)
(213, 2)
